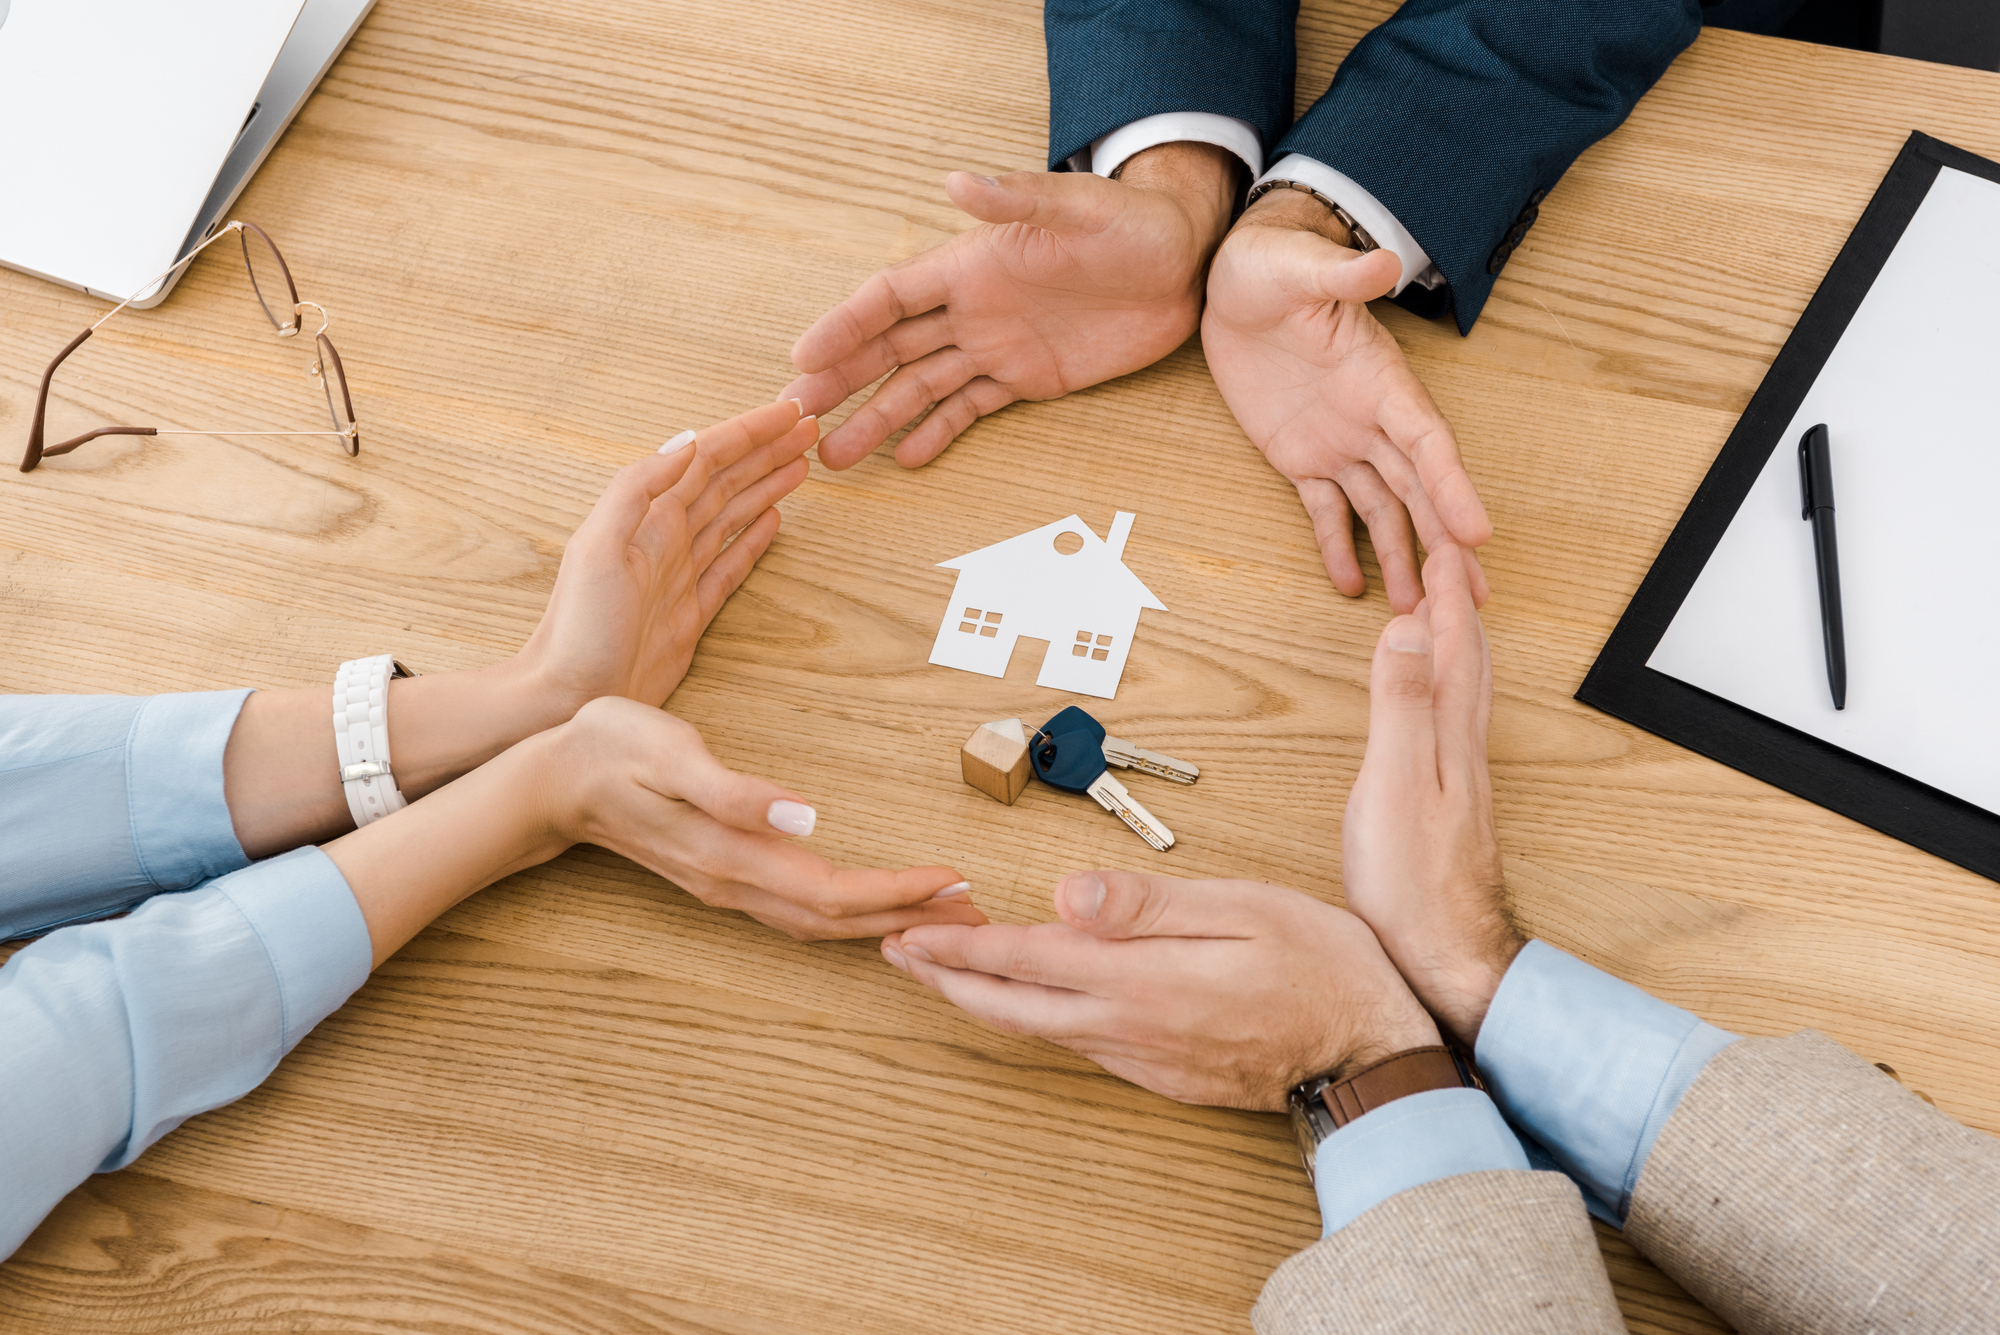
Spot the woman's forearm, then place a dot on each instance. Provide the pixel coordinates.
(408, 869)
(281, 771)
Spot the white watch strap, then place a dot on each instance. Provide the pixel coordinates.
(361, 736)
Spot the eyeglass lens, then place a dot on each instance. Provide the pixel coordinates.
(334, 381)
(272, 279)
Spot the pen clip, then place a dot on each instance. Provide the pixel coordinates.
(1815, 472)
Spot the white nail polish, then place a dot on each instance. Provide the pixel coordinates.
(952, 891)
(895, 957)
(680, 442)
(791, 817)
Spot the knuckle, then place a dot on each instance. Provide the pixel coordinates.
(1408, 688)
(1021, 963)
(1151, 907)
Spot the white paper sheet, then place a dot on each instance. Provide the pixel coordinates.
(1911, 399)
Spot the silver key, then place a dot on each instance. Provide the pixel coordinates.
(1119, 752)
(1111, 795)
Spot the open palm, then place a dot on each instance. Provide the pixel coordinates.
(1071, 280)
(1323, 390)
(653, 562)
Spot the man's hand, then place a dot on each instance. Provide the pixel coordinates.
(1418, 848)
(1216, 992)
(1072, 280)
(654, 561)
(1324, 392)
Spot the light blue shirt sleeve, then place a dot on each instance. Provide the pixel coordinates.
(117, 1032)
(114, 1033)
(1589, 1066)
(1404, 1144)
(107, 799)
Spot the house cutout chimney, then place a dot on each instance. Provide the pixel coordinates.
(1121, 529)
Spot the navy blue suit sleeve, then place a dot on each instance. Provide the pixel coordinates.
(1458, 115)
(1112, 62)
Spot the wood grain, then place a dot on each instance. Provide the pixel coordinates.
(551, 236)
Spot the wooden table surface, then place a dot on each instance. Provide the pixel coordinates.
(552, 235)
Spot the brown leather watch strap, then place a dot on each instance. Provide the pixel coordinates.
(1392, 1078)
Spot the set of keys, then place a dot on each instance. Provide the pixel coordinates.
(1074, 753)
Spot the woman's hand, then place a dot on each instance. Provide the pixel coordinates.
(639, 583)
(653, 562)
(640, 782)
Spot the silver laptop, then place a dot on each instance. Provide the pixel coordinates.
(128, 127)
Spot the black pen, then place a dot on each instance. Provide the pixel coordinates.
(1816, 491)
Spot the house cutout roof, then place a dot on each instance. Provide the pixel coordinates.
(1032, 558)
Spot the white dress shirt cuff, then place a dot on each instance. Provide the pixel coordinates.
(1108, 154)
(1366, 210)
(1590, 1066)
(1417, 1139)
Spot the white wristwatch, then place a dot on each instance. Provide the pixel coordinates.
(361, 736)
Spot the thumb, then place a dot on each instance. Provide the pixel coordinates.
(1055, 200)
(1123, 905)
(1343, 275)
(1401, 731)
(692, 774)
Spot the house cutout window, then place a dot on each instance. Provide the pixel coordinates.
(1083, 646)
(971, 623)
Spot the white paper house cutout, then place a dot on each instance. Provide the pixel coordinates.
(1085, 604)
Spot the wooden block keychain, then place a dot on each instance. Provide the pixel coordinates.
(995, 759)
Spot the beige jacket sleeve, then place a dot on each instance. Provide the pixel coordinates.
(1500, 1253)
(1797, 1188)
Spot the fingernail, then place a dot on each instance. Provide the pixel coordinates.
(800, 404)
(963, 887)
(680, 442)
(895, 957)
(1085, 896)
(814, 419)
(791, 817)
(1407, 635)
(989, 180)
(918, 953)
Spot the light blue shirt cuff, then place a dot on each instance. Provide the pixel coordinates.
(1590, 1066)
(1438, 1133)
(304, 913)
(293, 949)
(106, 799)
(117, 1032)
(181, 830)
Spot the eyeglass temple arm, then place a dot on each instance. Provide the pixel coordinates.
(68, 445)
(36, 451)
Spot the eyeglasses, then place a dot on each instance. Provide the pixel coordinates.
(271, 280)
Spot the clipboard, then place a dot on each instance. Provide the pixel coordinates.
(1934, 816)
